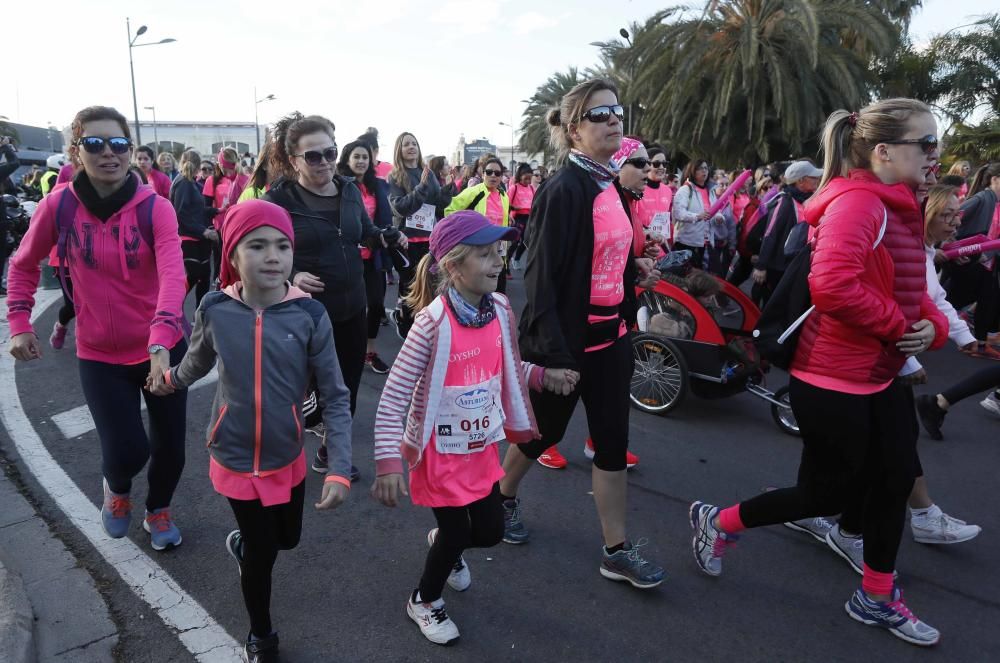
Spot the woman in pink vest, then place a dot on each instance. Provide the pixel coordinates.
(869, 286)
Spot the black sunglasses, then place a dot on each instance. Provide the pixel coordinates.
(658, 164)
(928, 143)
(638, 162)
(314, 158)
(95, 144)
(207, 169)
(601, 114)
(495, 173)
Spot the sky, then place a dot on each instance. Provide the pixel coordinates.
(436, 69)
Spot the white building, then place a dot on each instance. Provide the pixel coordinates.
(206, 137)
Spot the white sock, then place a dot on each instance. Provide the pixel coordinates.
(923, 515)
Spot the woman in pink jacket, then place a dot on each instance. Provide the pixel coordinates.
(146, 161)
(120, 241)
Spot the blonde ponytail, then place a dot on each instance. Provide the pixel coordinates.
(426, 285)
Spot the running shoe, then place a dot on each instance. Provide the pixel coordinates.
(402, 326)
(321, 464)
(931, 416)
(460, 577)
(261, 650)
(851, 548)
(893, 616)
(433, 620)
(163, 533)
(116, 512)
(514, 530)
(552, 459)
(817, 528)
(709, 542)
(373, 361)
(384, 320)
(942, 529)
(319, 430)
(627, 565)
(58, 337)
(991, 404)
(631, 460)
(234, 544)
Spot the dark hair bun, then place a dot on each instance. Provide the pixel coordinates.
(553, 118)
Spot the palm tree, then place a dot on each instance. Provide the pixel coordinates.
(746, 80)
(970, 70)
(534, 127)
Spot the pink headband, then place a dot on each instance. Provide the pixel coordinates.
(225, 163)
(628, 148)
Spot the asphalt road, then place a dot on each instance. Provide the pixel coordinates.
(340, 594)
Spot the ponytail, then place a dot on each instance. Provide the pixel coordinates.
(983, 177)
(422, 290)
(849, 138)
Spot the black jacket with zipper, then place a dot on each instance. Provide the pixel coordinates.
(557, 278)
(328, 249)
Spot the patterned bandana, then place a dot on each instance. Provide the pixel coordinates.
(467, 314)
(603, 173)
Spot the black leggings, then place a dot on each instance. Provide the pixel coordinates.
(988, 378)
(974, 283)
(112, 393)
(375, 293)
(67, 311)
(351, 344)
(198, 267)
(414, 252)
(265, 530)
(851, 445)
(477, 525)
(605, 379)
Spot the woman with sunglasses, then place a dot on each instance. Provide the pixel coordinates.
(978, 280)
(872, 311)
(194, 221)
(490, 200)
(357, 162)
(580, 284)
(128, 288)
(205, 171)
(653, 210)
(414, 196)
(330, 222)
(145, 159)
(694, 231)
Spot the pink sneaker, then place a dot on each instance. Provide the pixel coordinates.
(58, 337)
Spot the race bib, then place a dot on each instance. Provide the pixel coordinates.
(469, 418)
(422, 219)
(660, 224)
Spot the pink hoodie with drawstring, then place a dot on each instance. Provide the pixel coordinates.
(127, 294)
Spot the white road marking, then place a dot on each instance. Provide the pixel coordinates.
(198, 632)
(77, 422)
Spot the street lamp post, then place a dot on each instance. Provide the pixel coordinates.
(131, 44)
(156, 138)
(511, 125)
(624, 33)
(256, 127)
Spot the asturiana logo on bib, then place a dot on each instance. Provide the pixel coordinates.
(473, 400)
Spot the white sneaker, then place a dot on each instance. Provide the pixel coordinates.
(991, 404)
(642, 318)
(942, 529)
(460, 577)
(433, 621)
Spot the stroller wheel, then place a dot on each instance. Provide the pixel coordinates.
(660, 381)
(783, 416)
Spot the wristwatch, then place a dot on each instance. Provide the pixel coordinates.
(153, 349)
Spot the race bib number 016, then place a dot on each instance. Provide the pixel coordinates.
(660, 224)
(470, 418)
(422, 219)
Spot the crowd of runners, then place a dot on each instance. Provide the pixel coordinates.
(289, 257)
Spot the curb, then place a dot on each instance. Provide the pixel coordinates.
(17, 620)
